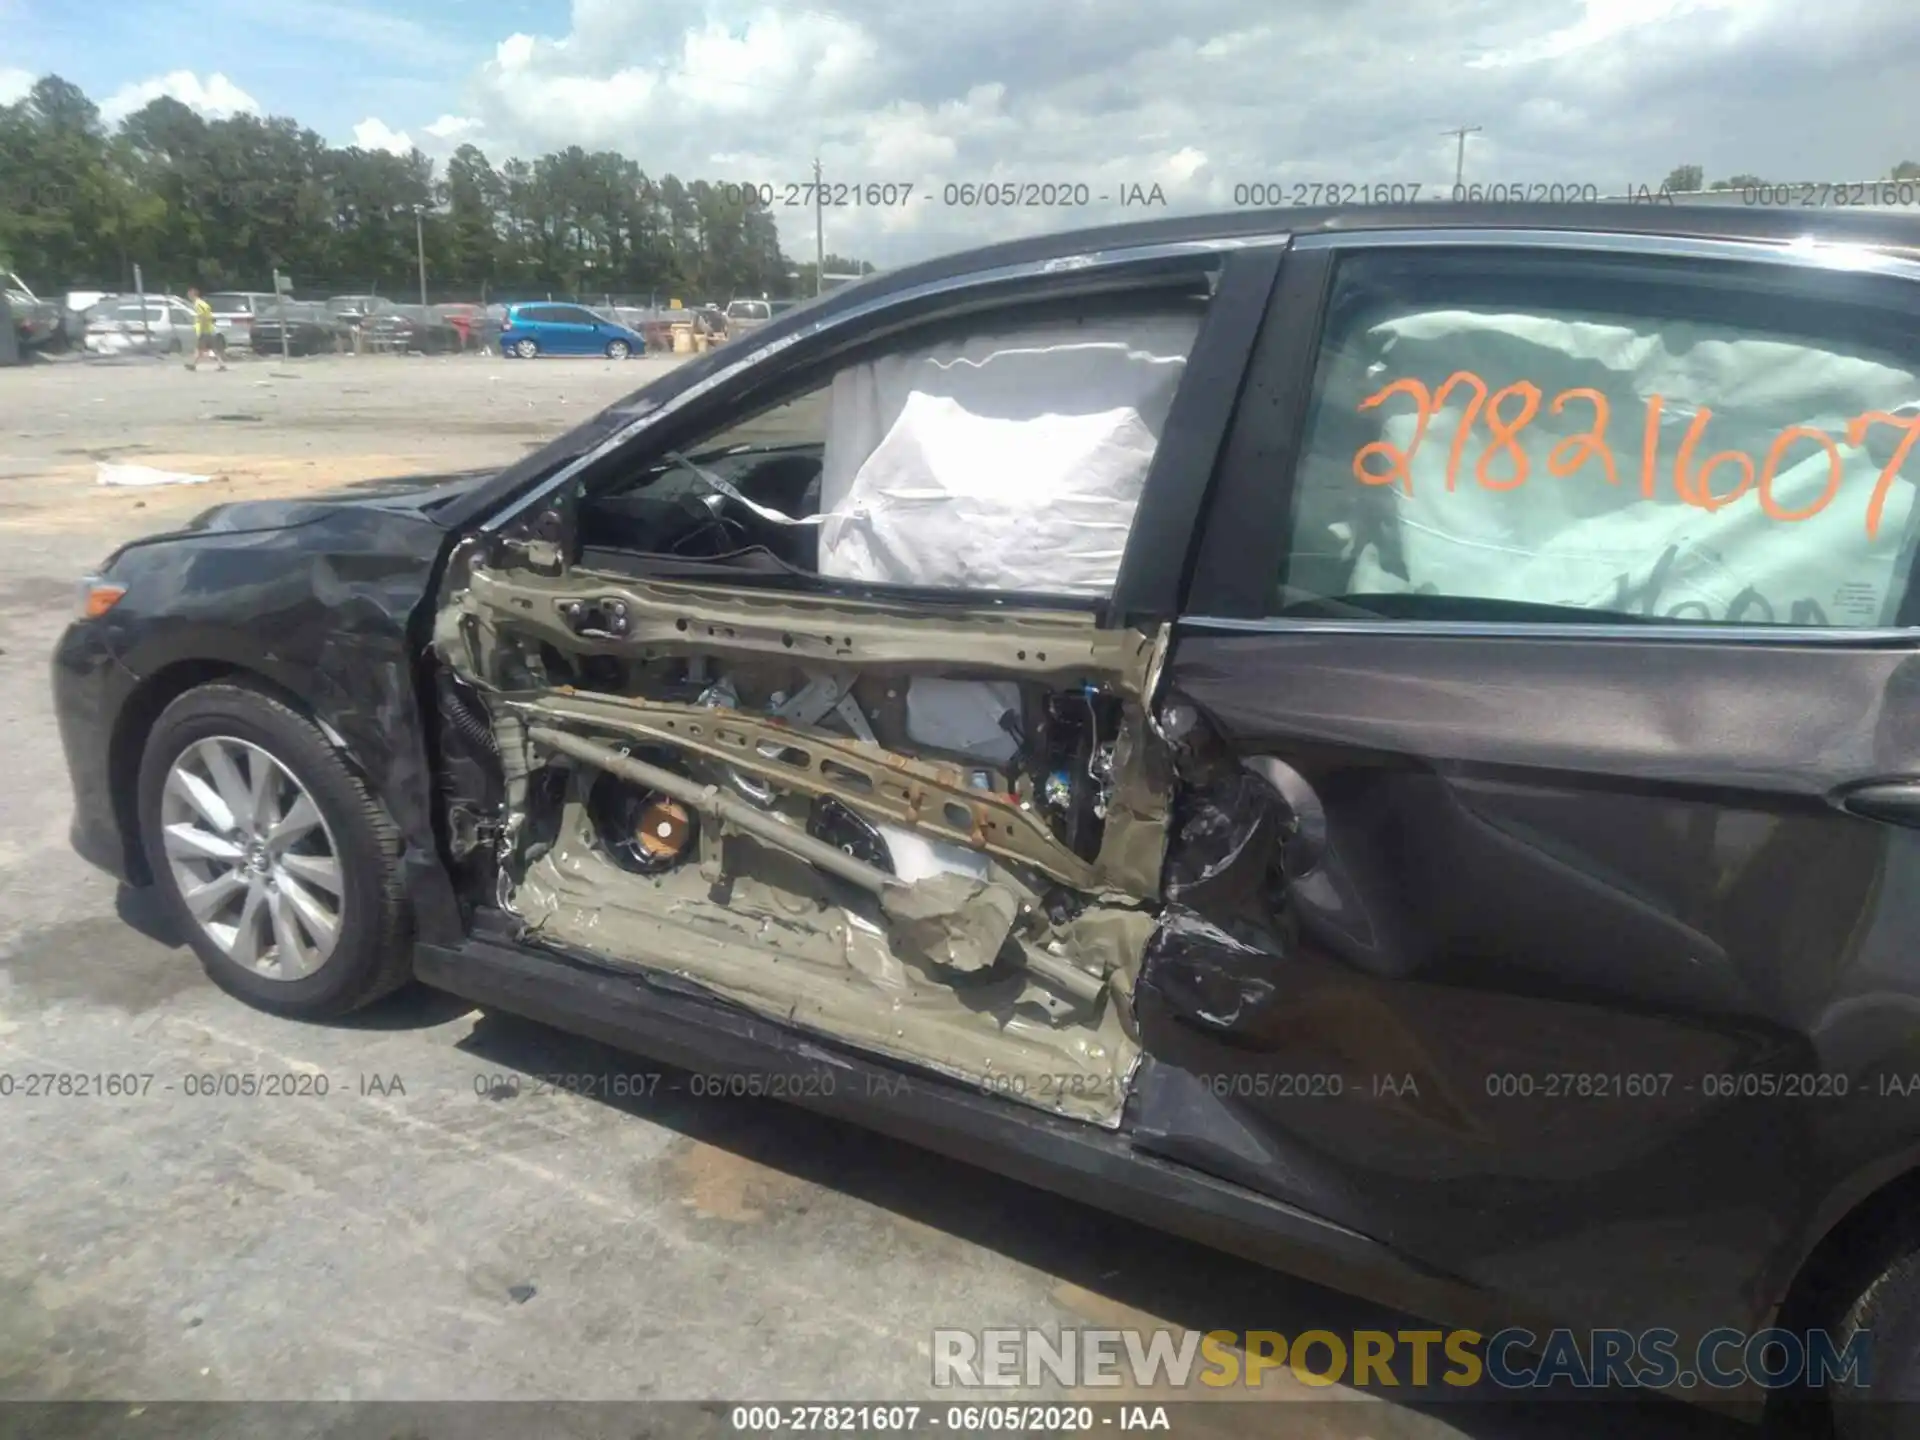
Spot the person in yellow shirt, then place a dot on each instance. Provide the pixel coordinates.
(205, 342)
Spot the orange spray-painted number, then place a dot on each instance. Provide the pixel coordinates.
(1459, 446)
(1771, 468)
(1698, 489)
(1398, 460)
(1574, 451)
(1693, 484)
(1503, 435)
(1857, 434)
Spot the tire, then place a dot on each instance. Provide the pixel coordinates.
(352, 848)
(1879, 1293)
(526, 349)
(618, 350)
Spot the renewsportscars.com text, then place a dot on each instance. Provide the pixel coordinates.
(1513, 1359)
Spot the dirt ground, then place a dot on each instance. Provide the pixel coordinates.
(272, 427)
(444, 1223)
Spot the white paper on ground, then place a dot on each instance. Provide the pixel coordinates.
(1011, 461)
(1576, 539)
(109, 474)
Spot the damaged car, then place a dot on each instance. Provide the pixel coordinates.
(1373, 740)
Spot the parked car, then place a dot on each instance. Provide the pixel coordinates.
(234, 313)
(133, 324)
(478, 331)
(36, 322)
(409, 328)
(744, 315)
(653, 325)
(549, 328)
(352, 310)
(1333, 733)
(74, 306)
(311, 329)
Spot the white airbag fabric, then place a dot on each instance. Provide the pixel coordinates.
(1577, 540)
(962, 715)
(1002, 462)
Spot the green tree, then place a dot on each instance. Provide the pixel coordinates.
(1685, 177)
(224, 203)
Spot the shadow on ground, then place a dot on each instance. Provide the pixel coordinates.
(1112, 1260)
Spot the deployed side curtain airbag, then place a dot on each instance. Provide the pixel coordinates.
(1011, 461)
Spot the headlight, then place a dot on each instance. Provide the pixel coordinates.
(97, 596)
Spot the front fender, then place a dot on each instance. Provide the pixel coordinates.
(328, 612)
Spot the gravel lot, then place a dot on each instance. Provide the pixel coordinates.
(404, 1237)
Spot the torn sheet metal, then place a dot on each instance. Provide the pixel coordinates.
(952, 920)
(1210, 976)
(1212, 956)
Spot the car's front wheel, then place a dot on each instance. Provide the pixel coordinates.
(525, 349)
(618, 349)
(272, 855)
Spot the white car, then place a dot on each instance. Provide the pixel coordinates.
(748, 315)
(234, 312)
(129, 324)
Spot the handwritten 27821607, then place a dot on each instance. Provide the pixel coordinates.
(1504, 465)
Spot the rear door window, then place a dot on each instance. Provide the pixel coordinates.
(1511, 434)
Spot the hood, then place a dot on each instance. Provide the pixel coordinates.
(414, 495)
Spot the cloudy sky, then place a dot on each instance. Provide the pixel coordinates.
(1196, 96)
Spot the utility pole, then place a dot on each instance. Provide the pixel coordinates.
(1460, 132)
(420, 245)
(819, 235)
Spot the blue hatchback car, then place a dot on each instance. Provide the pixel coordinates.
(548, 328)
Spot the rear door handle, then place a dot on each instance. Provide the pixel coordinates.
(1897, 802)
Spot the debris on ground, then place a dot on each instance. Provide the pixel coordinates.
(111, 474)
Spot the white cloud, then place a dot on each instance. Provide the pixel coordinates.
(1201, 102)
(14, 85)
(374, 133)
(453, 128)
(216, 97)
(1602, 20)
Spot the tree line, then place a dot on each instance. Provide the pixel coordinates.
(1690, 178)
(222, 204)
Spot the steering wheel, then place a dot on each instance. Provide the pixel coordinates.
(709, 517)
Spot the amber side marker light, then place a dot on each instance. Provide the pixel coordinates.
(98, 596)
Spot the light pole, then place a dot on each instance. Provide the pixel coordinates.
(819, 235)
(1460, 153)
(420, 246)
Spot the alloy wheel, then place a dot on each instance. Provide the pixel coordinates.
(526, 349)
(255, 863)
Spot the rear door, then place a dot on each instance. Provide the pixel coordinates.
(1562, 587)
(573, 330)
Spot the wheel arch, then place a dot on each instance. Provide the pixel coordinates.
(143, 708)
(1844, 1236)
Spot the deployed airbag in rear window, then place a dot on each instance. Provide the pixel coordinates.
(1011, 461)
(1663, 448)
